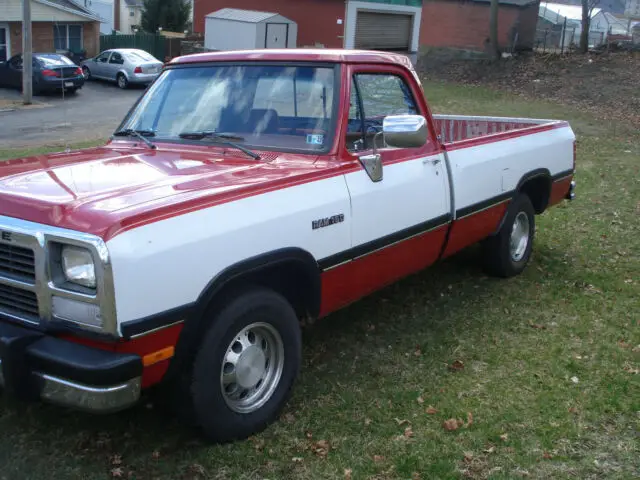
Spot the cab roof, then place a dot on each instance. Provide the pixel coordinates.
(297, 55)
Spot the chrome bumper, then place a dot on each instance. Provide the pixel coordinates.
(571, 194)
(84, 397)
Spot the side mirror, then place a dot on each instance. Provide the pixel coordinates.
(405, 131)
(400, 131)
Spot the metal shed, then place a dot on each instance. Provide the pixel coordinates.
(236, 29)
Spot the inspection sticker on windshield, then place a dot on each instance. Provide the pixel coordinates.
(315, 139)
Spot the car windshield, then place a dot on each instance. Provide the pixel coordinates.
(264, 106)
(54, 60)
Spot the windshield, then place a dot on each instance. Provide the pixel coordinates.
(265, 106)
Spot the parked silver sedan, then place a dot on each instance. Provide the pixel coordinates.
(124, 66)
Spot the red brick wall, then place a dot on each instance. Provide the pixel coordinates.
(316, 19)
(464, 24)
(42, 33)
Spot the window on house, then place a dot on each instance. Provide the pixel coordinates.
(67, 37)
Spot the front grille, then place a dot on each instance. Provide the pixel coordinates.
(18, 302)
(17, 262)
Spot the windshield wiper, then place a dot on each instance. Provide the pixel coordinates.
(224, 138)
(140, 134)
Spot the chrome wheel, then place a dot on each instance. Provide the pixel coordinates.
(519, 239)
(86, 73)
(122, 81)
(252, 367)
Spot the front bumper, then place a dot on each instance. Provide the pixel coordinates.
(37, 366)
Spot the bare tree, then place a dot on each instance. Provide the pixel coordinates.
(587, 11)
(493, 29)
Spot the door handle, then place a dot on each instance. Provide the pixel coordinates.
(434, 161)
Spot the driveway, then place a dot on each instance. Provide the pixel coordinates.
(92, 113)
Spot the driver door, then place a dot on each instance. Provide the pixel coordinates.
(99, 66)
(399, 223)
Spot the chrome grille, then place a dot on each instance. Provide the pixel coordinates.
(17, 262)
(19, 303)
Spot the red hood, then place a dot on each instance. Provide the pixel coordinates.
(106, 190)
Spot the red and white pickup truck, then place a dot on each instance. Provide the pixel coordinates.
(243, 192)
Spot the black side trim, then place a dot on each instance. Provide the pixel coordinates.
(476, 207)
(379, 243)
(563, 174)
(156, 321)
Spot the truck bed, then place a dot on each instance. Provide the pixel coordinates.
(459, 130)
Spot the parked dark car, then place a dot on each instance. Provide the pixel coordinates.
(51, 72)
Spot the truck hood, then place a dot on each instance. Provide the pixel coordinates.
(104, 191)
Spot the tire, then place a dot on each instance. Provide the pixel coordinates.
(122, 81)
(86, 72)
(502, 257)
(238, 333)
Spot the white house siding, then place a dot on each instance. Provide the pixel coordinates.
(11, 11)
(104, 10)
(127, 22)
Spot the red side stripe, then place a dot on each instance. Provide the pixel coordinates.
(353, 280)
(475, 227)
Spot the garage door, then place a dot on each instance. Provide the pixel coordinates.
(383, 31)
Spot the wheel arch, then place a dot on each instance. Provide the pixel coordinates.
(291, 272)
(536, 184)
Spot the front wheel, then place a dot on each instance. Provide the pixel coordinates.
(246, 366)
(86, 72)
(507, 253)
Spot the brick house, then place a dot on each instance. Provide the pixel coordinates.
(57, 25)
(403, 25)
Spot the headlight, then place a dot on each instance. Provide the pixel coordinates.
(78, 266)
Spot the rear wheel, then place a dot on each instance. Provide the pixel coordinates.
(122, 81)
(246, 365)
(507, 253)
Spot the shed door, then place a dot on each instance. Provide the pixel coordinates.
(277, 34)
(383, 31)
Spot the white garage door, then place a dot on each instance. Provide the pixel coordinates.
(383, 31)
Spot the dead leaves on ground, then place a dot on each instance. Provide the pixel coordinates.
(453, 424)
(456, 366)
(321, 448)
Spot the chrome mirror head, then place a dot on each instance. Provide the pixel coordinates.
(405, 131)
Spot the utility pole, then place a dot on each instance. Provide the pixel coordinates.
(27, 47)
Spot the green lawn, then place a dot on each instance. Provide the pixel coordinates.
(546, 384)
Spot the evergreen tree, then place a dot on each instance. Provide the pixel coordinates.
(171, 15)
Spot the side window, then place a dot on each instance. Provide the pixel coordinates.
(116, 58)
(102, 58)
(382, 95)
